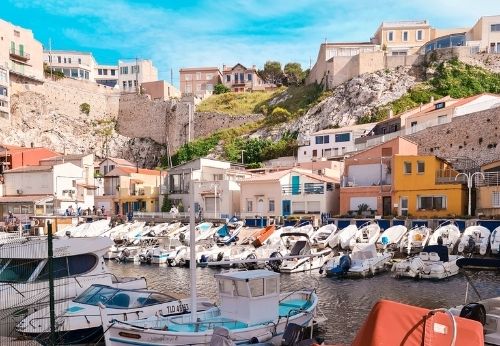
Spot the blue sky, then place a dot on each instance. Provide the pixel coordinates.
(182, 33)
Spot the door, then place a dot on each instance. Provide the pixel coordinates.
(260, 206)
(386, 206)
(403, 206)
(21, 50)
(285, 207)
(295, 185)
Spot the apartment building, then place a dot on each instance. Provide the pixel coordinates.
(21, 51)
(199, 81)
(74, 64)
(132, 73)
(331, 143)
(402, 37)
(241, 79)
(485, 34)
(4, 92)
(160, 90)
(488, 190)
(106, 75)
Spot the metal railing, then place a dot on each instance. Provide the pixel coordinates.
(306, 188)
(19, 54)
(490, 179)
(448, 176)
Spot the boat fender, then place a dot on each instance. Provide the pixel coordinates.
(482, 249)
(220, 256)
(474, 311)
(345, 263)
(261, 338)
(203, 259)
(461, 247)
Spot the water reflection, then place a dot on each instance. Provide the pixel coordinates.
(345, 302)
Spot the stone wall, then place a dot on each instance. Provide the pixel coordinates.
(207, 123)
(475, 136)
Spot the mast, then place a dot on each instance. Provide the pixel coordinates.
(192, 249)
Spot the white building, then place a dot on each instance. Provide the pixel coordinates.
(106, 75)
(331, 143)
(132, 73)
(74, 64)
(216, 188)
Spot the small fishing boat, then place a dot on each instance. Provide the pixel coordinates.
(495, 241)
(79, 321)
(391, 237)
(302, 247)
(367, 233)
(229, 233)
(345, 236)
(415, 240)
(363, 261)
(475, 239)
(432, 263)
(449, 232)
(327, 235)
(251, 308)
(263, 235)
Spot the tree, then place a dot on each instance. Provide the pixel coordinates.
(272, 72)
(221, 89)
(293, 73)
(166, 205)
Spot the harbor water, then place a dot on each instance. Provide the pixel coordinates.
(345, 302)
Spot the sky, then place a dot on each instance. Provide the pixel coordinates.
(190, 33)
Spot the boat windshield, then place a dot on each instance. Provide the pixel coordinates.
(17, 269)
(121, 299)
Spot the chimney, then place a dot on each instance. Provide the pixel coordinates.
(254, 67)
(32, 144)
(391, 113)
(223, 68)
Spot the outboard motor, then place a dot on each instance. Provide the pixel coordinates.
(343, 267)
(203, 261)
(276, 263)
(474, 311)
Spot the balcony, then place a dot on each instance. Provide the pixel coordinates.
(20, 55)
(306, 189)
(448, 176)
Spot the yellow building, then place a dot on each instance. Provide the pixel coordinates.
(488, 190)
(425, 186)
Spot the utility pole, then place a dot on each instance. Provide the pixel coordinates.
(470, 180)
(242, 158)
(171, 76)
(52, 302)
(137, 76)
(50, 57)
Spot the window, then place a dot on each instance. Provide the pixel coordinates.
(134, 69)
(59, 59)
(256, 287)
(413, 124)
(218, 177)
(124, 70)
(135, 83)
(241, 288)
(105, 72)
(431, 202)
(242, 77)
(99, 71)
(210, 87)
(405, 36)
(228, 78)
(188, 88)
(198, 75)
(315, 153)
(60, 269)
(209, 76)
(124, 84)
(249, 77)
(390, 36)
(420, 167)
(249, 206)
(420, 35)
(439, 105)
(495, 199)
(271, 286)
(226, 286)
(495, 27)
(403, 208)
(113, 72)
(236, 78)
(18, 270)
(74, 72)
(343, 137)
(327, 152)
(65, 60)
(271, 205)
(130, 84)
(17, 33)
(81, 264)
(407, 167)
(322, 139)
(79, 60)
(198, 87)
(442, 119)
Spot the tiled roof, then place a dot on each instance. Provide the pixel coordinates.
(25, 169)
(119, 162)
(121, 171)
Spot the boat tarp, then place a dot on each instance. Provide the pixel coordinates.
(392, 323)
(363, 251)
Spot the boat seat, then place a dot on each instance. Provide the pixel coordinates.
(424, 256)
(433, 256)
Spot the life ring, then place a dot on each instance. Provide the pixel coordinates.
(37, 222)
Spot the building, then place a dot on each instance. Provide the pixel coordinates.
(367, 182)
(488, 190)
(12, 156)
(160, 90)
(132, 73)
(485, 34)
(403, 37)
(42, 190)
(106, 75)
(331, 143)
(130, 189)
(240, 78)
(74, 64)
(199, 81)
(110, 163)
(21, 51)
(425, 186)
(216, 188)
(290, 192)
(4, 92)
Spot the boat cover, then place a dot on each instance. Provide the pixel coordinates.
(392, 323)
(363, 251)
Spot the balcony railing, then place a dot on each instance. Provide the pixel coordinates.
(490, 179)
(448, 176)
(306, 188)
(19, 54)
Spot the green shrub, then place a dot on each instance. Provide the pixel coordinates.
(221, 89)
(85, 108)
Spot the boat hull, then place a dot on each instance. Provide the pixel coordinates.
(263, 235)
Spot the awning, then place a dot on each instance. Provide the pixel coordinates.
(87, 186)
(26, 199)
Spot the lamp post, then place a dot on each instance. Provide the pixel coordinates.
(470, 178)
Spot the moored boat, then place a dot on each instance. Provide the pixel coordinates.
(391, 237)
(263, 235)
(475, 239)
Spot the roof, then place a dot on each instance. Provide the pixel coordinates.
(227, 69)
(66, 52)
(247, 275)
(25, 198)
(369, 126)
(119, 162)
(26, 169)
(404, 23)
(349, 44)
(65, 157)
(198, 69)
(121, 171)
(275, 176)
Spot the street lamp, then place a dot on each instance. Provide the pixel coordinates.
(470, 177)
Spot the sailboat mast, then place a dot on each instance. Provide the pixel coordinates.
(192, 248)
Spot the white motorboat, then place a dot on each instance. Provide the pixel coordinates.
(159, 254)
(136, 248)
(346, 234)
(251, 309)
(367, 233)
(327, 235)
(415, 240)
(432, 263)
(450, 234)
(363, 261)
(495, 241)
(79, 320)
(302, 247)
(304, 227)
(229, 233)
(89, 229)
(24, 273)
(475, 239)
(391, 237)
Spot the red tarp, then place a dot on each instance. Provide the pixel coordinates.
(391, 323)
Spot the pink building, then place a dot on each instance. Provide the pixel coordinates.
(199, 81)
(240, 79)
(368, 177)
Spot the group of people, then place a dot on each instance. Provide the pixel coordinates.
(70, 211)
